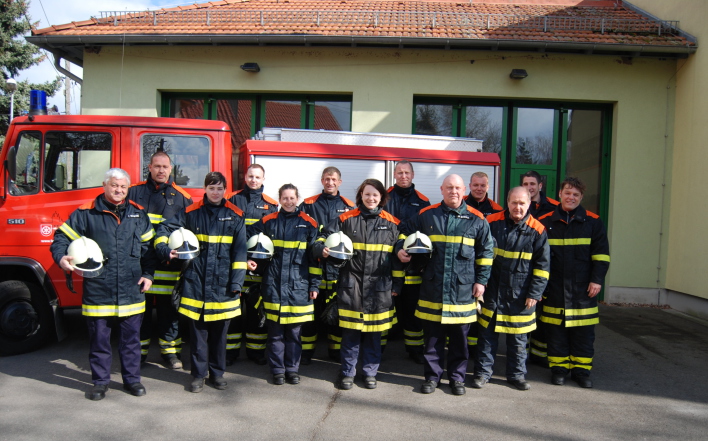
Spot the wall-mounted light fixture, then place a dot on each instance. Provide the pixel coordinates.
(518, 74)
(251, 67)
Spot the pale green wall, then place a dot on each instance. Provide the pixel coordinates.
(383, 82)
(688, 240)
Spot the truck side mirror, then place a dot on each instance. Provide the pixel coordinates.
(60, 177)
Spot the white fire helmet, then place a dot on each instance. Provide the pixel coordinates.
(88, 257)
(418, 243)
(340, 247)
(185, 243)
(259, 247)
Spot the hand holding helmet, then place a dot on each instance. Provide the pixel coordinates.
(338, 249)
(84, 257)
(184, 244)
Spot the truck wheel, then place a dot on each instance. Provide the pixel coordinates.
(26, 320)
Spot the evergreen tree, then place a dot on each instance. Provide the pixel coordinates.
(17, 55)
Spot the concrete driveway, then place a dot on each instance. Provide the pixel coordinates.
(650, 376)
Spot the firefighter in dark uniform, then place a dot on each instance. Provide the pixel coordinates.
(323, 208)
(580, 258)
(367, 282)
(478, 198)
(213, 280)
(519, 277)
(452, 281)
(290, 283)
(404, 202)
(162, 199)
(540, 205)
(255, 204)
(116, 299)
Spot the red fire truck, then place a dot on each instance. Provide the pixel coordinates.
(49, 165)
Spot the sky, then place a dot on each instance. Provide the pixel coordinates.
(55, 12)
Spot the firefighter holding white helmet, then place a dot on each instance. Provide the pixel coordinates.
(212, 283)
(367, 281)
(113, 236)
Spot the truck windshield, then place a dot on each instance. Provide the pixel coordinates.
(75, 160)
(190, 156)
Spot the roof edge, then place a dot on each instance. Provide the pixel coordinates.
(641, 11)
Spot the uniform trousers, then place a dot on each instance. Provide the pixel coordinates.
(100, 353)
(406, 303)
(167, 326)
(435, 336)
(487, 345)
(570, 349)
(208, 347)
(311, 329)
(364, 345)
(284, 347)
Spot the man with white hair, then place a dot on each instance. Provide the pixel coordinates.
(124, 234)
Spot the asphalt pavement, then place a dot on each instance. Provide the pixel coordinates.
(650, 381)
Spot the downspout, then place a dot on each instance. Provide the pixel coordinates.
(57, 65)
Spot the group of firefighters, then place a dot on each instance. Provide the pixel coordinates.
(456, 274)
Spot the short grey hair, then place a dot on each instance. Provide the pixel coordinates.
(116, 173)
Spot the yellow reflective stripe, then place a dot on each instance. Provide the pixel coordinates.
(166, 275)
(296, 319)
(320, 239)
(584, 322)
(149, 235)
(398, 273)
(586, 360)
(484, 262)
(459, 308)
(552, 321)
(373, 247)
(458, 320)
(112, 310)
(413, 280)
(512, 254)
(239, 265)
(251, 221)
(377, 317)
(482, 321)
(402, 237)
(351, 325)
(552, 310)
(541, 273)
(169, 343)
(290, 244)
(601, 257)
(429, 305)
(186, 312)
(66, 229)
(515, 318)
(161, 239)
(155, 218)
(452, 239)
(223, 305)
(215, 239)
(191, 302)
(315, 271)
(222, 316)
(429, 317)
(585, 311)
(350, 314)
(576, 241)
(579, 366)
(298, 309)
(510, 330)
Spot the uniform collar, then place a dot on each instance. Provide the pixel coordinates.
(154, 186)
(404, 191)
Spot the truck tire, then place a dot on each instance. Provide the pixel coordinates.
(26, 320)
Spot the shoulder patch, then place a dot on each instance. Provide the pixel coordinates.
(390, 189)
(311, 199)
(197, 206)
(422, 196)
(535, 224)
(88, 205)
(475, 212)
(549, 214)
(348, 214)
(496, 217)
(429, 207)
(552, 201)
(233, 208)
(140, 207)
(308, 219)
(389, 217)
(347, 201)
(182, 191)
(495, 205)
(270, 217)
(139, 183)
(269, 199)
(592, 215)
